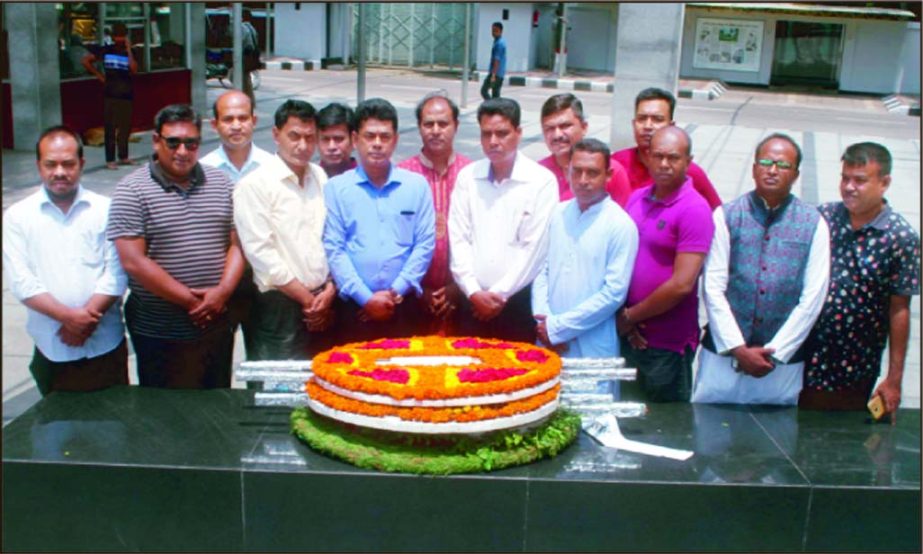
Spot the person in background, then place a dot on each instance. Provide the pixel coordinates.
(118, 67)
(564, 125)
(653, 111)
(496, 67)
(335, 125)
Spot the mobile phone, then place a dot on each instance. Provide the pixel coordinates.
(876, 407)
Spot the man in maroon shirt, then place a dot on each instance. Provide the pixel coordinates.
(654, 111)
(563, 126)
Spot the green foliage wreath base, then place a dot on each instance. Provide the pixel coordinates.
(435, 454)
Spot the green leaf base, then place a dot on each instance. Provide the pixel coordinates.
(435, 454)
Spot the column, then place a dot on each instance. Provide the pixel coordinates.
(196, 46)
(647, 54)
(35, 79)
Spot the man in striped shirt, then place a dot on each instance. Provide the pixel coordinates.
(172, 223)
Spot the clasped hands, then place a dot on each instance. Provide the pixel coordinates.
(541, 332)
(78, 324)
(441, 302)
(209, 304)
(486, 305)
(381, 306)
(755, 361)
(630, 329)
(318, 315)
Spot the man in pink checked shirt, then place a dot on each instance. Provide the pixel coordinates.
(437, 120)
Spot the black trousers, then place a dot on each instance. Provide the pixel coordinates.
(116, 126)
(203, 363)
(515, 322)
(409, 319)
(492, 88)
(277, 330)
(85, 374)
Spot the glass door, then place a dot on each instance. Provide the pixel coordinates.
(807, 53)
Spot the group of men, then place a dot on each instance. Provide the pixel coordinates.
(587, 252)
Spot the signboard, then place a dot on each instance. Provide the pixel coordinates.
(731, 44)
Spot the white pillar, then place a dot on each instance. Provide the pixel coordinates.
(647, 54)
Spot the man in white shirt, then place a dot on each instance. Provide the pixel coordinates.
(234, 121)
(498, 222)
(765, 280)
(68, 275)
(279, 214)
(237, 156)
(591, 252)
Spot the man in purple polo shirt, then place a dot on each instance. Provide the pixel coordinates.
(658, 326)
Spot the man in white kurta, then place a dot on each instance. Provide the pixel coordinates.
(765, 280)
(591, 252)
(498, 220)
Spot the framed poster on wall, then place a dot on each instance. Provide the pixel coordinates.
(729, 44)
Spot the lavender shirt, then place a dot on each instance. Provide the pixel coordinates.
(682, 222)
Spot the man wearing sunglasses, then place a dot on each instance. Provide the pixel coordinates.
(765, 281)
(172, 224)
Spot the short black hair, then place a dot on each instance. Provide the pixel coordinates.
(294, 108)
(863, 153)
(59, 130)
(594, 146)
(433, 95)
(334, 114)
(497, 24)
(507, 107)
(215, 103)
(560, 102)
(654, 93)
(175, 113)
(780, 136)
(375, 108)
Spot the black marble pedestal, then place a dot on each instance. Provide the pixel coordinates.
(141, 469)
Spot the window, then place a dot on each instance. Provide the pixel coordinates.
(156, 31)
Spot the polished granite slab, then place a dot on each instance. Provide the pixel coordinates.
(131, 468)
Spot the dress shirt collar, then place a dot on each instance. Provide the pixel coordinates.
(279, 170)
(80, 198)
(593, 209)
(672, 197)
(428, 164)
(195, 178)
(363, 178)
(226, 161)
(519, 173)
(881, 221)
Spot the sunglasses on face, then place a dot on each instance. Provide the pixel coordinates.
(174, 142)
(780, 164)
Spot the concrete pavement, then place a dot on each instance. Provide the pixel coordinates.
(724, 133)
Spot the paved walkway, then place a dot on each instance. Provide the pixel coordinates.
(724, 151)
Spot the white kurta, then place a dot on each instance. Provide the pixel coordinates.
(717, 380)
(586, 276)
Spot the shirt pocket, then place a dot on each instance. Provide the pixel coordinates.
(92, 249)
(521, 223)
(404, 224)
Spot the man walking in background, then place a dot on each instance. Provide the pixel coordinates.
(496, 67)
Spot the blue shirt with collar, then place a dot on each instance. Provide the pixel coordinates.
(378, 238)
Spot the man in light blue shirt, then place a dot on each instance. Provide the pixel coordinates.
(234, 121)
(68, 275)
(592, 248)
(379, 233)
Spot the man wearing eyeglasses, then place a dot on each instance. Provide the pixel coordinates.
(172, 224)
(765, 281)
